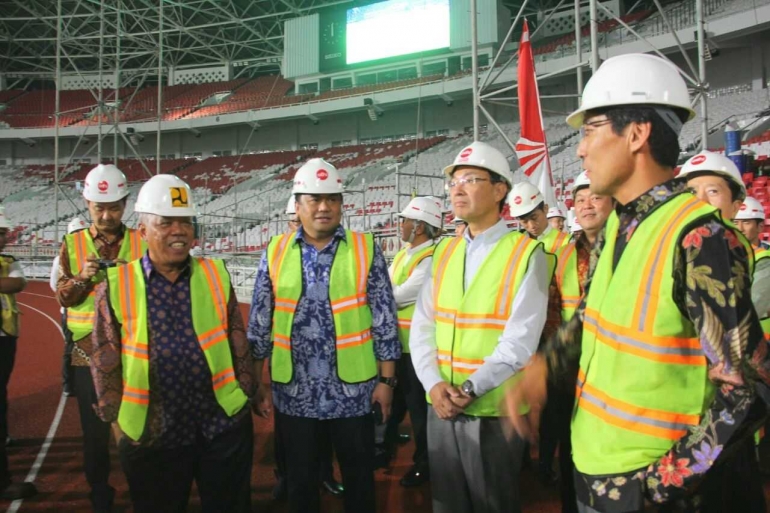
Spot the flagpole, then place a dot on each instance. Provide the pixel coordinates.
(475, 71)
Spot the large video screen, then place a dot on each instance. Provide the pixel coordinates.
(396, 27)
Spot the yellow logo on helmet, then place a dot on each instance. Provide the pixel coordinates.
(179, 197)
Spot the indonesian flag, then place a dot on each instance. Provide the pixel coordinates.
(532, 147)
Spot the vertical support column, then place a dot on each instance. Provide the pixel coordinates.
(578, 50)
(56, 123)
(116, 99)
(100, 97)
(594, 36)
(160, 88)
(475, 70)
(704, 129)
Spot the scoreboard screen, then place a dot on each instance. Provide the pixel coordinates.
(394, 28)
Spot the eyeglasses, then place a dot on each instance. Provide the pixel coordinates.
(451, 184)
(593, 124)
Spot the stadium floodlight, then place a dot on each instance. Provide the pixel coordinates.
(447, 99)
(314, 119)
(29, 142)
(195, 132)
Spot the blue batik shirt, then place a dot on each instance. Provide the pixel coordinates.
(315, 390)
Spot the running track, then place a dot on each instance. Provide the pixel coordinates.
(35, 398)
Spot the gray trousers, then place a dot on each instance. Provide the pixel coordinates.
(473, 467)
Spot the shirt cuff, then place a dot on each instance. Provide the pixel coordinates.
(431, 379)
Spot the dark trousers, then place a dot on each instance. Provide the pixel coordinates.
(66, 368)
(555, 432)
(325, 453)
(7, 359)
(159, 480)
(736, 484)
(96, 440)
(414, 397)
(353, 441)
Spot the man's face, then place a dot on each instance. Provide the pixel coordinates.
(294, 223)
(557, 223)
(751, 228)
(107, 216)
(535, 222)
(605, 154)
(320, 214)
(472, 193)
(168, 239)
(3, 237)
(408, 226)
(592, 210)
(715, 191)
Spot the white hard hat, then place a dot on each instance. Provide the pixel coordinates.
(554, 212)
(750, 209)
(524, 198)
(575, 227)
(634, 79)
(581, 181)
(165, 195)
(76, 224)
(4, 223)
(423, 209)
(104, 184)
(714, 163)
(317, 176)
(479, 154)
(291, 207)
(458, 220)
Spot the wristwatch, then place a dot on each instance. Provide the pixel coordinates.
(391, 382)
(467, 388)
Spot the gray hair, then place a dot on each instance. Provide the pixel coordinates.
(145, 218)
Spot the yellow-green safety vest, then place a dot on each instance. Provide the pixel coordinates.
(403, 267)
(568, 280)
(8, 306)
(470, 322)
(80, 246)
(761, 253)
(352, 315)
(554, 240)
(209, 293)
(643, 378)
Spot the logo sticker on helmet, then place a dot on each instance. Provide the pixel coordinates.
(103, 186)
(322, 174)
(465, 154)
(179, 197)
(517, 200)
(696, 161)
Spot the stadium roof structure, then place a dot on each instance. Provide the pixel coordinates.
(196, 33)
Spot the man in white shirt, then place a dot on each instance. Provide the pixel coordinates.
(477, 322)
(420, 227)
(12, 281)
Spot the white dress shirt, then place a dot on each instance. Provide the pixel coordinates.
(407, 292)
(548, 229)
(522, 331)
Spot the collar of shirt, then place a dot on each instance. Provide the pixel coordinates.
(477, 248)
(646, 203)
(488, 236)
(149, 269)
(412, 250)
(95, 234)
(339, 234)
(545, 233)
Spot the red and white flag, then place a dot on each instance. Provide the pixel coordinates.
(532, 147)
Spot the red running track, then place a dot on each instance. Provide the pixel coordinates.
(35, 395)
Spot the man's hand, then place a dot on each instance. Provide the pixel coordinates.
(442, 401)
(459, 398)
(529, 391)
(262, 404)
(383, 394)
(89, 270)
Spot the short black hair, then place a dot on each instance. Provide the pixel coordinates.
(664, 143)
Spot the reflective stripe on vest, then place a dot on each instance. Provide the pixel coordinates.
(643, 375)
(403, 268)
(348, 282)
(568, 280)
(761, 253)
(554, 240)
(209, 293)
(9, 309)
(470, 322)
(80, 246)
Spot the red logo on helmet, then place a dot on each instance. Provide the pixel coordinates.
(103, 186)
(700, 159)
(466, 153)
(322, 174)
(517, 200)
